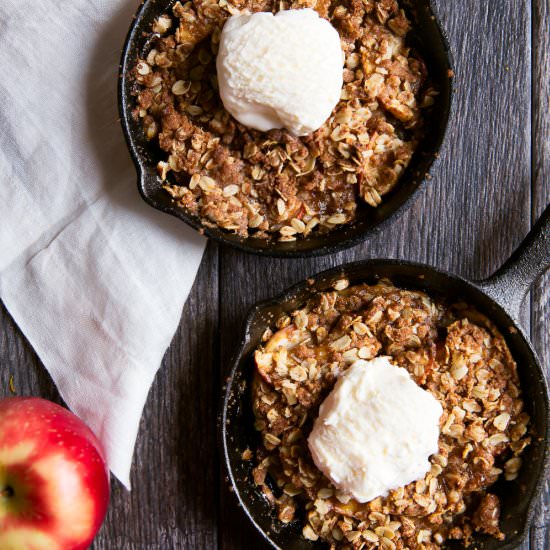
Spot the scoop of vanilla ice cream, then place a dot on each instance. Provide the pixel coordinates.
(375, 430)
(280, 71)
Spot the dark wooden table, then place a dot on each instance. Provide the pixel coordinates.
(491, 184)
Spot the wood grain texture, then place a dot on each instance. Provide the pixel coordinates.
(175, 478)
(540, 300)
(491, 183)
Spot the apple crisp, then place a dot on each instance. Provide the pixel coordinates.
(275, 185)
(452, 351)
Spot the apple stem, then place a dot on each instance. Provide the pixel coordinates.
(6, 493)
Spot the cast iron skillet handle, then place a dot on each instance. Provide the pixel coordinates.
(509, 285)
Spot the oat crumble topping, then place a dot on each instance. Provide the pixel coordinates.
(274, 185)
(454, 352)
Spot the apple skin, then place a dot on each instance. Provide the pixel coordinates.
(54, 481)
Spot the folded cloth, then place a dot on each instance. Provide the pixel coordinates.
(95, 279)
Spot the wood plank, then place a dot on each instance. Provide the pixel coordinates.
(484, 197)
(175, 476)
(540, 304)
(470, 217)
(19, 362)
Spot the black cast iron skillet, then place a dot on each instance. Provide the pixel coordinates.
(428, 39)
(499, 297)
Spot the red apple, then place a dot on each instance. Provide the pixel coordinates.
(54, 483)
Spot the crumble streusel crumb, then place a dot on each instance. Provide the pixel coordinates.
(274, 184)
(454, 352)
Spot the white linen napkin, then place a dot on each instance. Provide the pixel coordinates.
(95, 279)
